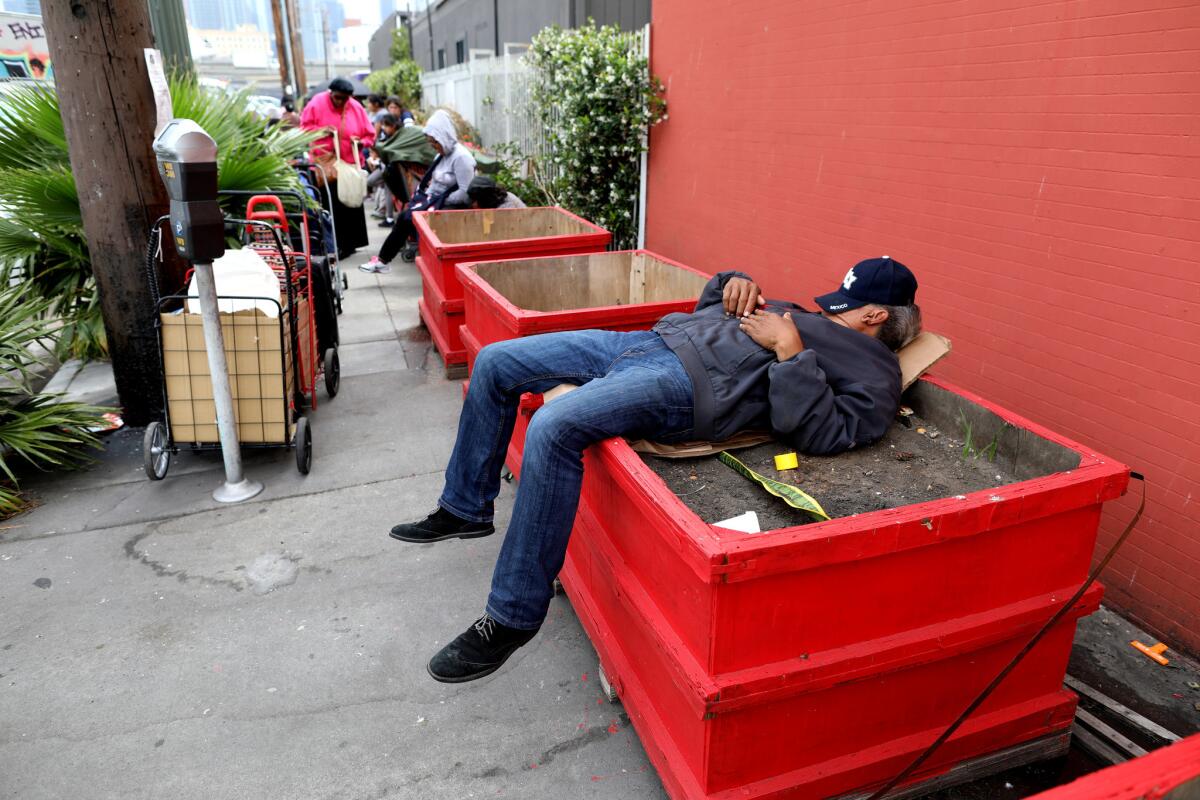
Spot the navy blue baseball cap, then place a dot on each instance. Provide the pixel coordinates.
(884, 281)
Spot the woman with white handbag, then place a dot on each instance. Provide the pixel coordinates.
(346, 128)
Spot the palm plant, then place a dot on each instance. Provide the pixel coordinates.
(41, 228)
(38, 430)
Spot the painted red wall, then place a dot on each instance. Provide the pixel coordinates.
(1036, 164)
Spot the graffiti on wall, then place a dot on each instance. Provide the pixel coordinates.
(23, 49)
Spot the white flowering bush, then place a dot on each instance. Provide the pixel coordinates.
(596, 100)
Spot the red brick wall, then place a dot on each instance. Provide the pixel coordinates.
(1036, 164)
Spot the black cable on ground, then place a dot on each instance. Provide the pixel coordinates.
(1037, 637)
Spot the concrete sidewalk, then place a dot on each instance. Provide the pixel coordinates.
(155, 644)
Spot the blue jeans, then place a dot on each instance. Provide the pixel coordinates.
(631, 384)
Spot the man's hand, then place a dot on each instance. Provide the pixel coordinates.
(774, 332)
(741, 297)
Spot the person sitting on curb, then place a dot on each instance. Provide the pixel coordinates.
(821, 382)
(484, 193)
(401, 150)
(444, 186)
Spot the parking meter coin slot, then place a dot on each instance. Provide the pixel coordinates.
(198, 230)
(189, 181)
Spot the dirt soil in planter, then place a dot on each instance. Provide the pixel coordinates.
(904, 467)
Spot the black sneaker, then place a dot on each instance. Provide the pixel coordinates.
(480, 650)
(387, 223)
(440, 525)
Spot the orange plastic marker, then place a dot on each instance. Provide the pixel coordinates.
(1154, 652)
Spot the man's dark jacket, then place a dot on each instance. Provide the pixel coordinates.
(842, 390)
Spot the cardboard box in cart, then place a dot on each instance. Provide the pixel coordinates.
(261, 376)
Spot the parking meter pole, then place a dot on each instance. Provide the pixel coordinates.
(187, 164)
(236, 487)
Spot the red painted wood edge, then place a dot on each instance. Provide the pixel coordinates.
(710, 694)
(529, 321)
(1046, 714)
(680, 783)
(1150, 777)
(694, 540)
(661, 749)
(430, 280)
(702, 689)
(432, 322)
(595, 234)
(1015, 622)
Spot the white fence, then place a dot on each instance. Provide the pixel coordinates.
(493, 94)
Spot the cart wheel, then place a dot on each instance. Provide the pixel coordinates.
(156, 457)
(303, 446)
(339, 304)
(333, 372)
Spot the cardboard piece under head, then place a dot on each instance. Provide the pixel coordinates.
(187, 164)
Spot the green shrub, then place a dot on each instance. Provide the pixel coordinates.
(596, 100)
(38, 430)
(402, 78)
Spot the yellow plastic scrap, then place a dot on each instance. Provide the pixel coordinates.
(786, 461)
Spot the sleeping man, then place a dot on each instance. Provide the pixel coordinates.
(821, 382)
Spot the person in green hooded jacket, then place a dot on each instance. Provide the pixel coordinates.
(405, 148)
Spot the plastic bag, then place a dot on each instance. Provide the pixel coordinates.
(241, 274)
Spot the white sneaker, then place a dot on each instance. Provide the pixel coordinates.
(375, 265)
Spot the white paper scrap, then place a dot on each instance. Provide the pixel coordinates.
(746, 523)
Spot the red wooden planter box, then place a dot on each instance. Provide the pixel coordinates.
(815, 661)
(448, 238)
(442, 317)
(626, 290)
(1172, 773)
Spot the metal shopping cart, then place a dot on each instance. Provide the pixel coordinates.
(312, 284)
(270, 347)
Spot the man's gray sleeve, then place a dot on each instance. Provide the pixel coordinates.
(713, 290)
(807, 414)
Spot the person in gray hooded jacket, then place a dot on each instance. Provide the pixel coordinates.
(821, 382)
(443, 186)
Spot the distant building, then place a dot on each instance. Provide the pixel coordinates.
(379, 47)
(445, 31)
(228, 15)
(352, 45)
(228, 44)
(22, 6)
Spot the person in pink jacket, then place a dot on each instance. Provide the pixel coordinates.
(336, 109)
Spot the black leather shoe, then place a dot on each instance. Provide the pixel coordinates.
(480, 650)
(440, 525)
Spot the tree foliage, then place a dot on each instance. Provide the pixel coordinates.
(403, 77)
(596, 100)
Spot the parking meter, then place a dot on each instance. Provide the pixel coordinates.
(187, 164)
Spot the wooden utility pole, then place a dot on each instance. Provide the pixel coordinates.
(281, 49)
(293, 15)
(108, 114)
